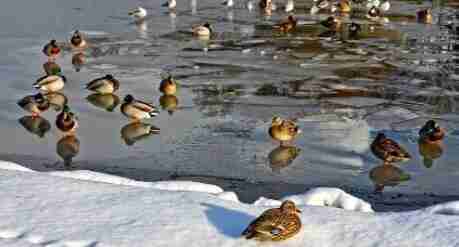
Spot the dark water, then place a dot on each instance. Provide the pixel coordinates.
(393, 78)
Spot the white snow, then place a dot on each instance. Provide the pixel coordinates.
(42, 209)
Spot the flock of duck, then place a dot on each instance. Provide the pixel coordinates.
(274, 224)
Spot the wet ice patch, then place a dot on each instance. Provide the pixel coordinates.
(450, 208)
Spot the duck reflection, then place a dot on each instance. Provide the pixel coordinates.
(34, 104)
(107, 102)
(387, 175)
(67, 148)
(52, 68)
(133, 132)
(282, 157)
(169, 103)
(78, 60)
(35, 125)
(57, 100)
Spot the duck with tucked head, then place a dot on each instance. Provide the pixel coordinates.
(288, 25)
(138, 13)
(50, 83)
(388, 150)
(34, 104)
(275, 224)
(431, 132)
(66, 121)
(137, 110)
(283, 130)
(51, 49)
(104, 85)
(425, 15)
(202, 30)
(168, 86)
(77, 40)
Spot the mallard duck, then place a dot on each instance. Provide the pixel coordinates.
(202, 30)
(136, 109)
(35, 125)
(51, 49)
(275, 224)
(290, 6)
(331, 23)
(50, 83)
(387, 175)
(107, 102)
(52, 68)
(104, 85)
(77, 40)
(34, 104)
(388, 150)
(283, 130)
(354, 29)
(431, 132)
(138, 13)
(287, 25)
(169, 103)
(168, 86)
(56, 100)
(430, 151)
(66, 121)
(228, 3)
(78, 61)
(133, 132)
(425, 15)
(171, 4)
(281, 157)
(67, 148)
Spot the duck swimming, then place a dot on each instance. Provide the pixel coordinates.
(136, 109)
(388, 150)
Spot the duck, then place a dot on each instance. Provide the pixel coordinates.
(35, 125)
(283, 130)
(202, 30)
(228, 3)
(281, 157)
(52, 68)
(77, 40)
(51, 49)
(104, 85)
(275, 224)
(354, 29)
(388, 150)
(266, 5)
(50, 83)
(136, 109)
(138, 13)
(287, 25)
(387, 175)
(133, 132)
(290, 6)
(66, 121)
(107, 102)
(425, 15)
(342, 6)
(168, 86)
(169, 103)
(171, 4)
(35, 104)
(78, 61)
(331, 23)
(374, 12)
(431, 132)
(67, 148)
(57, 100)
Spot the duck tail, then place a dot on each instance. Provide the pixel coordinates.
(154, 113)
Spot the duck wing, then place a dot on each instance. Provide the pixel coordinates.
(393, 148)
(143, 106)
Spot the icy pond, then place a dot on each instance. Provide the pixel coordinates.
(396, 75)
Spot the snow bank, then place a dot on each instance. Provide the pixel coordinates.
(44, 210)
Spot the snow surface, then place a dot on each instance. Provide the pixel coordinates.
(47, 209)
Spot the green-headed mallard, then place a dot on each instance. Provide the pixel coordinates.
(67, 148)
(133, 132)
(424, 15)
(104, 85)
(387, 175)
(50, 83)
(275, 224)
(168, 86)
(78, 61)
(34, 104)
(35, 125)
(107, 102)
(51, 49)
(52, 68)
(136, 109)
(169, 103)
(77, 40)
(431, 132)
(57, 100)
(202, 30)
(388, 150)
(287, 25)
(66, 121)
(283, 130)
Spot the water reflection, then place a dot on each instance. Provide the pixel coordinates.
(142, 28)
(57, 100)
(169, 103)
(67, 148)
(107, 102)
(136, 131)
(52, 68)
(387, 175)
(173, 20)
(430, 151)
(34, 104)
(194, 7)
(78, 60)
(282, 156)
(35, 125)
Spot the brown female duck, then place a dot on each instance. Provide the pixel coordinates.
(388, 150)
(283, 130)
(168, 86)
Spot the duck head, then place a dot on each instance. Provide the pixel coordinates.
(128, 98)
(289, 207)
